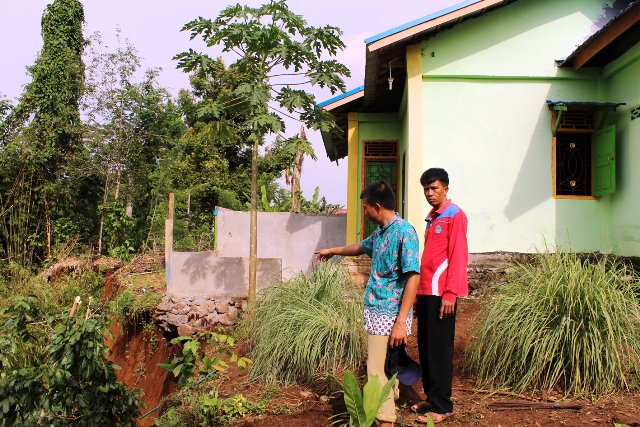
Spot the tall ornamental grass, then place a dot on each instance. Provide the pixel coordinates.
(309, 326)
(562, 322)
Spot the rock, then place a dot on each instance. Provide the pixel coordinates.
(222, 307)
(176, 319)
(323, 399)
(186, 330)
(199, 301)
(176, 299)
(179, 305)
(233, 313)
(163, 307)
(210, 306)
(306, 394)
(184, 310)
(212, 317)
(244, 305)
(224, 319)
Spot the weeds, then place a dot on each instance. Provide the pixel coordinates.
(562, 322)
(307, 327)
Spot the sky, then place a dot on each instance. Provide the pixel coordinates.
(153, 27)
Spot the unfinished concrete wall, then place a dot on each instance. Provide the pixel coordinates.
(292, 237)
(207, 273)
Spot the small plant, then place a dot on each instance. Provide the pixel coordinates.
(308, 327)
(191, 364)
(363, 406)
(563, 321)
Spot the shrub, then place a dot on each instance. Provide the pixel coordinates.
(560, 322)
(309, 326)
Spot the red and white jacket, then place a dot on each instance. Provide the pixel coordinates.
(443, 270)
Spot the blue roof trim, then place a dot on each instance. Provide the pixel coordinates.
(421, 20)
(341, 96)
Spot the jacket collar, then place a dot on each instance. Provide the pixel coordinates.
(435, 213)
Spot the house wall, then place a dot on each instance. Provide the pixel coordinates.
(485, 120)
(624, 220)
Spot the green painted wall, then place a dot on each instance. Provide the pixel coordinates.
(624, 86)
(485, 85)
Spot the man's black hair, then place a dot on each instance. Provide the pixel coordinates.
(379, 192)
(433, 175)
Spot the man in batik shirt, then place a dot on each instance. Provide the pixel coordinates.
(391, 289)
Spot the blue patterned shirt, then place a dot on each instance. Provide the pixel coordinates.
(394, 253)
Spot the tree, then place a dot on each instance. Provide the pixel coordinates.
(275, 50)
(129, 125)
(41, 140)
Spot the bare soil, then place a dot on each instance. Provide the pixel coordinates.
(305, 406)
(470, 404)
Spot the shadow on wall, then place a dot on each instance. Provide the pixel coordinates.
(533, 183)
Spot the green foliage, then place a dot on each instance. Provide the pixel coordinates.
(72, 383)
(363, 406)
(562, 322)
(202, 405)
(307, 327)
(41, 144)
(192, 364)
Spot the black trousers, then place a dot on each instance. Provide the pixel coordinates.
(435, 345)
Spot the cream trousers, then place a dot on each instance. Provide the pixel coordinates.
(377, 347)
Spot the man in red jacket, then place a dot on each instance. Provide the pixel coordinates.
(443, 278)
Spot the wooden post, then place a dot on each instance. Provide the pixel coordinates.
(168, 239)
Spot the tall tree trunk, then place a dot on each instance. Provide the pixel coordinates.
(104, 203)
(297, 172)
(253, 243)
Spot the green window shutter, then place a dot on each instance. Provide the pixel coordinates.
(605, 161)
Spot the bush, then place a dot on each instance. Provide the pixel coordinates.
(562, 322)
(309, 326)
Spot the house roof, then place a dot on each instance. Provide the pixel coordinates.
(386, 54)
(610, 42)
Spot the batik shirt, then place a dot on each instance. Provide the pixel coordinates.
(394, 253)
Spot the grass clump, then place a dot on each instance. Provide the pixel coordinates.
(561, 322)
(309, 326)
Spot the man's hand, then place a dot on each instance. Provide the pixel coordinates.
(323, 255)
(447, 308)
(398, 334)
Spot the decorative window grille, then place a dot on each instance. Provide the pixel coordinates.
(573, 164)
(578, 121)
(380, 149)
(635, 112)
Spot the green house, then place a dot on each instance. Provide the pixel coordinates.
(533, 108)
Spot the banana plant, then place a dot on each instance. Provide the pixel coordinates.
(364, 405)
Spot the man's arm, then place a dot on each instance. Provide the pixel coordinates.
(399, 330)
(353, 249)
(458, 255)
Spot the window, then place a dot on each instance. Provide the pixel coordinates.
(583, 157)
(380, 163)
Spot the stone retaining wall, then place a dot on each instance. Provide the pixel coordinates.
(188, 315)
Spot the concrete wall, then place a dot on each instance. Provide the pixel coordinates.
(485, 120)
(290, 237)
(207, 273)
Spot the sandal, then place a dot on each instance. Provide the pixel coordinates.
(420, 406)
(434, 416)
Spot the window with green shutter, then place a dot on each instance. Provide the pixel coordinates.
(604, 155)
(583, 157)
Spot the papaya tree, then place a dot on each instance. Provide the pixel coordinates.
(276, 53)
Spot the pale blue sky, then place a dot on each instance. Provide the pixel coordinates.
(153, 27)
